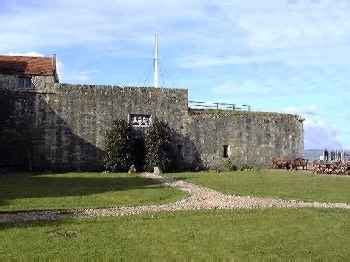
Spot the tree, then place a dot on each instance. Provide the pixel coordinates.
(159, 146)
(118, 143)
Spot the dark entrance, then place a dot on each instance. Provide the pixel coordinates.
(138, 148)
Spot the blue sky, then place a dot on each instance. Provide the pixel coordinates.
(276, 55)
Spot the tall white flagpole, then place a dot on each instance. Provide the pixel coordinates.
(156, 62)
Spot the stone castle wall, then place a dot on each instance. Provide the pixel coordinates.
(71, 120)
(251, 138)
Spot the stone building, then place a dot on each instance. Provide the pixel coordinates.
(70, 121)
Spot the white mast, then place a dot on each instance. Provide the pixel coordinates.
(156, 62)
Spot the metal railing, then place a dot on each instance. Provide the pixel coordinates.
(219, 106)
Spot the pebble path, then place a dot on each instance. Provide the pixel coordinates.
(198, 198)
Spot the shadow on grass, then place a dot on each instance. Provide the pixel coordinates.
(176, 177)
(32, 224)
(184, 178)
(20, 186)
(54, 225)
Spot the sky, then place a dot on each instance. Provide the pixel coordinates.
(288, 56)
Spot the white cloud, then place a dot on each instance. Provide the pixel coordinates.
(67, 23)
(202, 61)
(246, 88)
(318, 133)
(33, 53)
(80, 77)
(211, 34)
(306, 111)
(303, 24)
(294, 33)
(262, 86)
(292, 57)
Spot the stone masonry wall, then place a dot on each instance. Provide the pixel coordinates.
(71, 121)
(26, 83)
(252, 138)
(89, 111)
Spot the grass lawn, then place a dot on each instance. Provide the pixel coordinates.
(260, 234)
(75, 190)
(275, 183)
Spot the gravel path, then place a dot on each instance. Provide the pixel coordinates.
(198, 198)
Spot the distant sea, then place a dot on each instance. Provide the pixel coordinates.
(314, 154)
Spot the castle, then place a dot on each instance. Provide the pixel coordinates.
(70, 121)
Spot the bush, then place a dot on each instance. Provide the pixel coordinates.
(246, 167)
(118, 147)
(159, 146)
(251, 168)
(229, 166)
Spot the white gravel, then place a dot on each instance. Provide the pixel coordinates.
(198, 198)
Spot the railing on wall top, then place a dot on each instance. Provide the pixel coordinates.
(219, 106)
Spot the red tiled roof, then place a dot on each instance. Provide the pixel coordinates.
(25, 65)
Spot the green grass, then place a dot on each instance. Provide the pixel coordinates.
(264, 234)
(78, 190)
(273, 183)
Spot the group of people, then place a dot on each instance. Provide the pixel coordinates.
(336, 155)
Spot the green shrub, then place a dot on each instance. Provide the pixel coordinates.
(118, 147)
(246, 167)
(160, 147)
(229, 166)
(251, 168)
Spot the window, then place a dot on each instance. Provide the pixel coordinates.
(24, 82)
(225, 153)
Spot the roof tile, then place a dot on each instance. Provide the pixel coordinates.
(25, 65)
